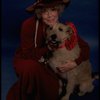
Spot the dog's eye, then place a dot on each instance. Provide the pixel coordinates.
(60, 29)
(67, 31)
(50, 28)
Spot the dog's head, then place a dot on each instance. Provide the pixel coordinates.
(58, 34)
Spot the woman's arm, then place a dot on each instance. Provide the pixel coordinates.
(84, 53)
(84, 47)
(27, 48)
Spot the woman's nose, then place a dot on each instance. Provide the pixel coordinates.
(49, 14)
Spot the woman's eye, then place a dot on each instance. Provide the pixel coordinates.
(44, 10)
(53, 9)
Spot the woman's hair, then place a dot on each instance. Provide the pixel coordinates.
(38, 11)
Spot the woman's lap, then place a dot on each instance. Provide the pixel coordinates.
(35, 76)
(26, 66)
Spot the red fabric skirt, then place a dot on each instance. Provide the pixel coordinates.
(35, 82)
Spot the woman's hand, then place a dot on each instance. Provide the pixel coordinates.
(68, 66)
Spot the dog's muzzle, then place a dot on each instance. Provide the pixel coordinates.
(54, 40)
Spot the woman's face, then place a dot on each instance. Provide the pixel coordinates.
(50, 16)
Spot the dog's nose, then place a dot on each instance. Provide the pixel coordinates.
(53, 37)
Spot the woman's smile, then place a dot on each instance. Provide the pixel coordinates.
(50, 17)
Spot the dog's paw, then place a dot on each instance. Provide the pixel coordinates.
(65, 98)
(41, 59)
(81, 93)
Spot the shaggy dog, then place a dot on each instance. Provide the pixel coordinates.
(80, 75)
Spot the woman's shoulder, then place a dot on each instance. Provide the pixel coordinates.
(69, 23)
(29, 21)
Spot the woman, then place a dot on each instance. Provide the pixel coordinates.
(36, 81)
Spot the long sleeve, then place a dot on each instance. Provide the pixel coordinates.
(84, 52)
(84, 47)
(27, 49)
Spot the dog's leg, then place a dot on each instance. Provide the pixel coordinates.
(69, 88)
(85, 87)
(60, 88)
(86, 82)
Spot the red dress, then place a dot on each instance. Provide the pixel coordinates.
(35, 80)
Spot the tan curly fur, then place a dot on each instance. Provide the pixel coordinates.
(80, 75)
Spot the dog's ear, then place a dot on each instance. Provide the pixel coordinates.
(69, 32)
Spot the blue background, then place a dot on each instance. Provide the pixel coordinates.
(83, 13)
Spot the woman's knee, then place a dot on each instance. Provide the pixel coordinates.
(26, 66)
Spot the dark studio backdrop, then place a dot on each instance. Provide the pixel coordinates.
(83, 13)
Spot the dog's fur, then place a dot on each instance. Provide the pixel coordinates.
(80, 75)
